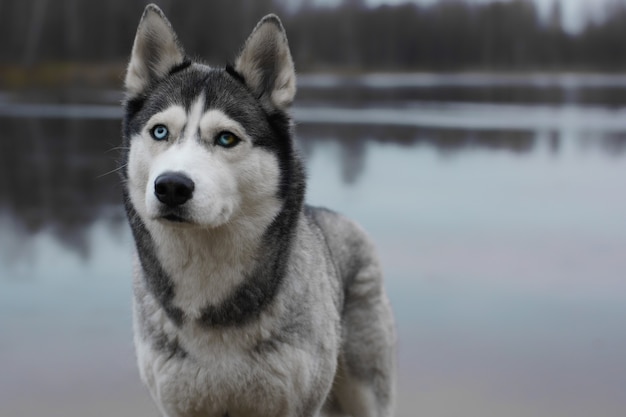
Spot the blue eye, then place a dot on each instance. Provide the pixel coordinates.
(160, 132)
(227, 140)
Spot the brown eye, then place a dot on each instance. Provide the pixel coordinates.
(227, 140)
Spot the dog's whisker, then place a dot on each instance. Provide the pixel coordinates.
(111, 171)
(117, 148)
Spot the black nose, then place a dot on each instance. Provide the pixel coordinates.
(173, 188)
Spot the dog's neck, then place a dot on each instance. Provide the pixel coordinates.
(206, 265)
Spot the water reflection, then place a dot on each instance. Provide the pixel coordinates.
(353, 140)
(51, 180)
(399, 89)
(444, 141)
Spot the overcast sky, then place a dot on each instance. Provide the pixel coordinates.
(575, 12)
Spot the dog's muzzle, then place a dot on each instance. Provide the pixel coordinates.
(173, 188)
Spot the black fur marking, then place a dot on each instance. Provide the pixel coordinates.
(162, 343)
(290, 174)
(179, 67)
(159, 340)
(131, 107)
(230, 70)
(158, 282)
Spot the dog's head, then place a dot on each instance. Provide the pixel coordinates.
(206, 145)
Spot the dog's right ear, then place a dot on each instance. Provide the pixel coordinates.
(155, 52)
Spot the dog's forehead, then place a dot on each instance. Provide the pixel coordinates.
(183, 88)
(220, 90)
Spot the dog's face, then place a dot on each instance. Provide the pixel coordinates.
(204, 144)
(197, 156)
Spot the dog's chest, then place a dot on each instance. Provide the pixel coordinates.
(224, 374)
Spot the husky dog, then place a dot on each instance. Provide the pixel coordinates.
(246, 301)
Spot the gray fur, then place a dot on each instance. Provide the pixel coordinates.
(307, 329)
(155, 52)
(262, 60)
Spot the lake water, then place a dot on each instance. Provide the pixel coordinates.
(498, 204)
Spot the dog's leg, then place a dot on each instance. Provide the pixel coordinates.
(364, 384)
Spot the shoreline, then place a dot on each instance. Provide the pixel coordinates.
(111, 74)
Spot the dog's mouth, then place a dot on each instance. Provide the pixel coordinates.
(174, 216)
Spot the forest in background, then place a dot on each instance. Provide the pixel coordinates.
(451, 35)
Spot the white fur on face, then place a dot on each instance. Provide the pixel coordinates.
(231, 182)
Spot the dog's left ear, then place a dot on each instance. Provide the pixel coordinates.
(266, 64)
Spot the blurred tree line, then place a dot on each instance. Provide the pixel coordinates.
(449, 35)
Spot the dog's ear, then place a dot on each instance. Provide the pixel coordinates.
(266, 65)
(155, 52)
